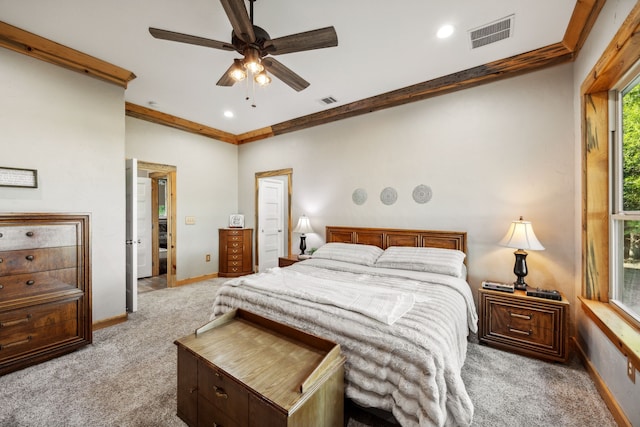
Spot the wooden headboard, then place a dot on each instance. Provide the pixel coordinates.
(385, 237)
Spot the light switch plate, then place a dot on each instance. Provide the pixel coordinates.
(189, 220)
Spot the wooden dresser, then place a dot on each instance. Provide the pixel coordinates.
(242, 369)
(535, 327)
(235, 252)
(45, 287)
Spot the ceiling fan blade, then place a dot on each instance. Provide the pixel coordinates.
(285, 74)
(308, 40)
(226, 79)
(239, 18)
(189, 39)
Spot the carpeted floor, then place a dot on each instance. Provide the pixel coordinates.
(127, 377)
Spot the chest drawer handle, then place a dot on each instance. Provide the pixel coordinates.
(13, 344)
(0, 260)
(220, 392)
(521, 316)
(518, 331)
(193, 390)
(15, 322)
(29, 233)
(30, 257)
(30, 282)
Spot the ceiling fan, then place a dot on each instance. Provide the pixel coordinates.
(255, 44)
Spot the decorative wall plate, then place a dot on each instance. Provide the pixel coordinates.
(359, 196)
(388, 196)
(422, 193)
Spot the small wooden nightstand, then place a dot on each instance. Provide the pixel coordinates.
(285, 261)
(531, 326)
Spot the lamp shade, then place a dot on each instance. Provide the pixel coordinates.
(304, 226)
(521, 236)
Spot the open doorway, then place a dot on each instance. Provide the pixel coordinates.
(273, 216)
(160, 252)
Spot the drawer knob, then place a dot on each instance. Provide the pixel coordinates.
(30, 257)
(193, 390)
(220, 392)
(30, 282)
(30, 233)
(521, 316)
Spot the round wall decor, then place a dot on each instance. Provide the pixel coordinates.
(422, 193)
(359, 196)
(388, 196)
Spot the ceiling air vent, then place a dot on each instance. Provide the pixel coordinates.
(328, 100)
(491, 33)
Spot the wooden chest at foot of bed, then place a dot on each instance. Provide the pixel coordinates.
(242, 369)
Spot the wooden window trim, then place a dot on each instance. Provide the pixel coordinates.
(617, 59)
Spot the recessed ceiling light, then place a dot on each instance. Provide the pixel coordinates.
(445, 31)
(228, 114)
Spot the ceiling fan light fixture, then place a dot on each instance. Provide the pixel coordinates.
(262, 78)
(237, 71)
(252, 60)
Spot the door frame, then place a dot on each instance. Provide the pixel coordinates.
(168, 172)
(268, 174)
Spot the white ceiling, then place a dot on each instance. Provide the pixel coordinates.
(382, 46)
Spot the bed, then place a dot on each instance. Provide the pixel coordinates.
(396, 301)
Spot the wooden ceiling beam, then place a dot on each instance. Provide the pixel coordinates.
(153, 116)
(29, 44)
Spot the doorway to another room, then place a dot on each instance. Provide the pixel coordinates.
(151, 236)
(273, 217)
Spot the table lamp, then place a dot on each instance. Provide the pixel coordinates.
(304, 226)
(521, 237)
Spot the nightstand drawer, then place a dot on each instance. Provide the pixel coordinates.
(534, 326)
(531, 326)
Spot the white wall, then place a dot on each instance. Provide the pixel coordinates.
(70, 128)
(207, 187)
(604, 355)
(490, 154)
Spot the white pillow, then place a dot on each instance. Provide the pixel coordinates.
(349, 252)
(433, 260)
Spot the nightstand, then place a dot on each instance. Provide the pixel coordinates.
(285, 261)
(531, 326)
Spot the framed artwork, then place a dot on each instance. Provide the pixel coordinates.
(15, 177)
(236, 221)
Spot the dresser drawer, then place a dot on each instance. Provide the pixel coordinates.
(235, 238)
(209, 415)
(30, 284)
(231, 245)
(33, 328)
(33, 260)
(223, 393)
(37, 236)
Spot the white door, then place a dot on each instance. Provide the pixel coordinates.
(145, 259)
(132, 234)
(271, 223)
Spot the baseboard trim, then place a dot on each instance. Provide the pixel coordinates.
(196, 279)
(111, 321)
(601, 386)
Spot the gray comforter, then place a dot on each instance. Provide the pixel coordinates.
(411, 367)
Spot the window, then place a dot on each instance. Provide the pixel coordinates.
(625, 191)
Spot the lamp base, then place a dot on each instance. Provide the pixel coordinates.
(520, 269)
(303, 244)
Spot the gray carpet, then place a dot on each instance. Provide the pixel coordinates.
(127, 377)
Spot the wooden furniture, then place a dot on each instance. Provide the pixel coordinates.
(45, 287)
(285, 261)
(242, 369)
(235, 252)
(536, 327)
(385, 237)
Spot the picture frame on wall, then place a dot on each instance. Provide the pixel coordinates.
(17, 177)
(236, 221)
